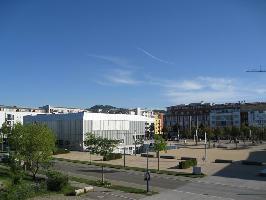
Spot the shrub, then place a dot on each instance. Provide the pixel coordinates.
(103, 184)
(18, 192)
(60, 151)
(112, 156)
(69, 190)
(187, 163)
(56, 181)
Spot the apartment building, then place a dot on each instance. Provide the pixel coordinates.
(158, 123)
(188, 116)
(225, 115)
(184, 117)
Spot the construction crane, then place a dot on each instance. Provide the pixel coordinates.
(256, 70)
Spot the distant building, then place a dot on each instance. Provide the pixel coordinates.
(142, 112)
(257, 118)
(225, 115)
(158, 125)
(185, 117)
(13, 114)
(52, 109)
(71, 128)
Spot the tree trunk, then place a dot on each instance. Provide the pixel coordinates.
(102, 173)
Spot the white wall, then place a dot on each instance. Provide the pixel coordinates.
(18, 116)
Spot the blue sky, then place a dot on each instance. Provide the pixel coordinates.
(131, 53)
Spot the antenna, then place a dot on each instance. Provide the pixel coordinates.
(256, 70)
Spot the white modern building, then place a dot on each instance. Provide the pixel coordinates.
(71, 128)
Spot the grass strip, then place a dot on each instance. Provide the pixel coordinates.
(114, 187)
(173, 173)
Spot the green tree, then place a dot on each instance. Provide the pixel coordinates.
(165, 131)
(244, 129)
(32, 145)
(235, 132)
(100, 146)
(5, 130)
(217, 132)
(159, 145)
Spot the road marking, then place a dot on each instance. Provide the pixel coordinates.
(204, 195)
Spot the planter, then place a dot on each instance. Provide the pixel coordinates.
(196, 170)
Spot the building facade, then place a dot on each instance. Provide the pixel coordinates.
(186, 117)
(70, 129)
(225, 115)
(257, 118)
(158, 123)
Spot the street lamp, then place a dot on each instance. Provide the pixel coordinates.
(135, 140)
(205, 142)
(124, 150)
(147, 174)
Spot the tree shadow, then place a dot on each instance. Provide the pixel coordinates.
(247, 172)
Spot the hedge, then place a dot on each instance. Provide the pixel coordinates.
(112, 156)
(187, 163)
(56, 181)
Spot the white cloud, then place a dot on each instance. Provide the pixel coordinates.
(119, 62)
(154, 57)
(121, 77)
(212, 89)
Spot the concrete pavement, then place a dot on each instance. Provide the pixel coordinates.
(216, 188)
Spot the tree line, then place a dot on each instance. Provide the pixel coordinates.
(243, 132)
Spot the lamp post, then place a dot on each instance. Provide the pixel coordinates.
(147, 177)
(124, 150)
(205, 142)
(135, 139)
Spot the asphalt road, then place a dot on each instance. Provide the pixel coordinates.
(171, 187)
(164, 182)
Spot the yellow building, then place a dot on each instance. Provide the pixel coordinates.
(158, 124)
